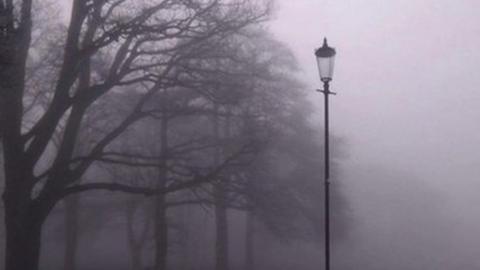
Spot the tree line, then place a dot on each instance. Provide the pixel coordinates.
(182, 103)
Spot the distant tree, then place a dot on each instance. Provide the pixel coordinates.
(254, 95)
(169, 146)
(281, 187)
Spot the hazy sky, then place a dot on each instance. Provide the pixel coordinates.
(407, 77)
(407, 80)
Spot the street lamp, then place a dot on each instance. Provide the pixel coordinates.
(325, 60)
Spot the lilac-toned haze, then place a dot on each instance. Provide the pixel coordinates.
(407, 112)
(408, 106)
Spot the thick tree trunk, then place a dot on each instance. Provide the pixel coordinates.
(22, 222)
(23, 231)
(72, 204)
(23, 217)
(23, 246)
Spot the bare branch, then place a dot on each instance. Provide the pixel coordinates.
(175, 186)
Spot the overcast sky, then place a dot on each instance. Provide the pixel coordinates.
(407, 77)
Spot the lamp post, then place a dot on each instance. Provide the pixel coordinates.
(325, 60)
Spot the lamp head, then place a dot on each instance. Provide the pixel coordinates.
(325, 60)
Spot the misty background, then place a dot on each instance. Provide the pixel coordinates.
(408, 106)
(405, 146)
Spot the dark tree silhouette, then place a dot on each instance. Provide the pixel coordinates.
(109, 45)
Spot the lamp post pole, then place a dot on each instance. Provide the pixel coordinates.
(326, 93)
(325, 60)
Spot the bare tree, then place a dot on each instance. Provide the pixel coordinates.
(133, 43)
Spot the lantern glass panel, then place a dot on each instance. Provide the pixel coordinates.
(325, 67)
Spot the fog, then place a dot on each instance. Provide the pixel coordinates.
(190, 135)
(407, 80)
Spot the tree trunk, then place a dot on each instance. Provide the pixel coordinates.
(23, 217)
(23, 229)
(250, 242)
(136, 257)
(22, 223)
(186, 242)
(135, 244)
(72, 204)
(131, 242)
(23, 246)
(161, 233)
(221, 222)
(161, 226)
(221, 244)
